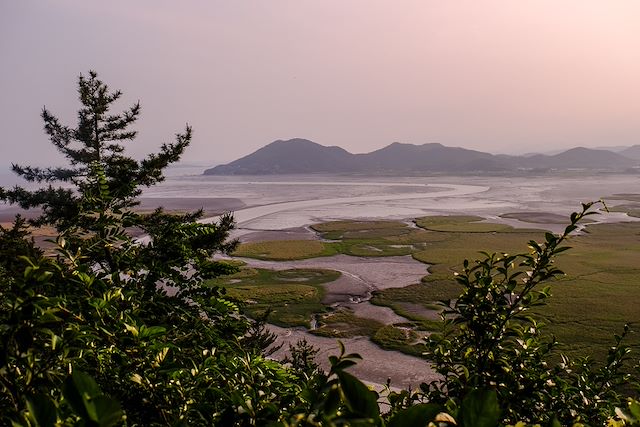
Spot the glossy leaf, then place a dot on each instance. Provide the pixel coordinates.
(480, 409)
(359, 399)
(415, 416)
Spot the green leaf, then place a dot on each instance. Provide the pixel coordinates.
(358, 397)
(77, 388)
(415, 416)
(152, 331)
(634, 409)
(85, 398)
(107, 411)
(343, 364)
(562, 249)
(134, 331)
(24, 338)
(42, 410)
(480, 409)
(554, 422)
(332, 403)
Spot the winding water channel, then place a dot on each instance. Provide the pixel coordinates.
(245, 216)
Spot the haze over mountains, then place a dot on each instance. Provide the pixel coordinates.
(303, 156)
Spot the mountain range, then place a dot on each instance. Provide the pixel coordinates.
(303, 156)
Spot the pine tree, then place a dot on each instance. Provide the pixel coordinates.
(97, 139)
(93, 211)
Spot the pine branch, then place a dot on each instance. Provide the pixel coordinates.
(150, 171)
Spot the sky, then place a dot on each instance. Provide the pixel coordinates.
(502, 76)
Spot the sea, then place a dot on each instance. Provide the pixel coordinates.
(278, 202)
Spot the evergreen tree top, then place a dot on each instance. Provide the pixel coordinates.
(98, 137)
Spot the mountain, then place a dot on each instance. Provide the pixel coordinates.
(632, 152)
(434, 157)
(614, 148)
(304, 156)
(581, 158)
(292, 156)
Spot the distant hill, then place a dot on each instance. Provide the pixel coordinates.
(582, 158)
(399, 157)
(632, 152)
(614, 148)
(285, 157)
(303, 156)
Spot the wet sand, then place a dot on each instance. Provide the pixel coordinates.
(536, 217)
(377, 365)
(210, 205)
(360, 277)
(8, 213)
(297, 233)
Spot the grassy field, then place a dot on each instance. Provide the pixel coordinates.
(357, 238)
(342, 323)
(459, 224)
(445, 251)
(375, 238)
(601, 289)
(600, 292)
(404, 338)
(293, 295)
(284, 250)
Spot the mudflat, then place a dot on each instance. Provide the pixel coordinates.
(377, 364)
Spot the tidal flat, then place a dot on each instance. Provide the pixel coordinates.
(596, 297)
(427, 226)
(365, 259)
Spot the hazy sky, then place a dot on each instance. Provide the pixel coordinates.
(501, 76)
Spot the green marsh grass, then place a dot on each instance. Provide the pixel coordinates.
(404, 339)
(284, 250)
(459, 224)
(343, 323)
(293, 295)
(598, 295)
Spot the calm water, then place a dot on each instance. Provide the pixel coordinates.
(279, 202)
